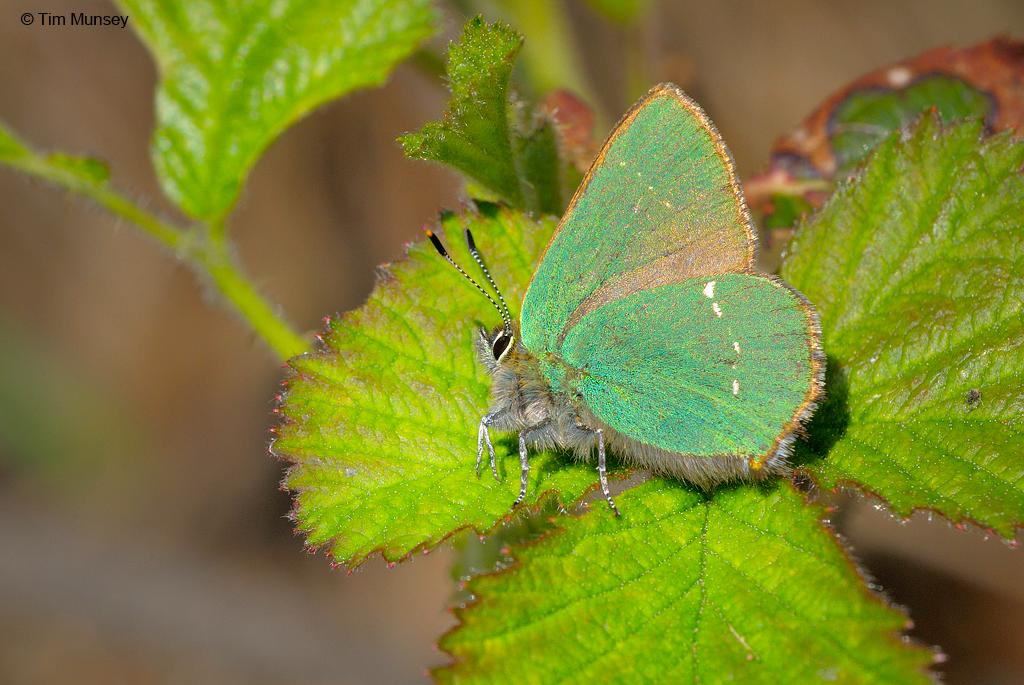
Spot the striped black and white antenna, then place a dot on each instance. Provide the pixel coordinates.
(502, 309)
(505, 315)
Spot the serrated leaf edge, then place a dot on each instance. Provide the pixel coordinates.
(899, 639)
(927, 117)
(384, 278)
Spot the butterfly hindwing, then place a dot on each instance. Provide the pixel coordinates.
(660, 204)
(710, 366)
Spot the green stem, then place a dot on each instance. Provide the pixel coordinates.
(101, 194)
(217, 262)
(208, 252)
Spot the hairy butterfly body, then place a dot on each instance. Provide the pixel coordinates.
(646, 328)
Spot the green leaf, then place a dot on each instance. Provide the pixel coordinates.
(866, 118)
(484, 133)
(982, 80)
(745, 586)
(233, 76)
(381, 425)
(917, 269)
(786, 211)
(538, 161)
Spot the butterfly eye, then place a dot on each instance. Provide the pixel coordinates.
(501, 345)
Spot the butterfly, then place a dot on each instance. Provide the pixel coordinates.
(646, 329)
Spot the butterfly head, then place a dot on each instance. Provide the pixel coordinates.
(495, 346)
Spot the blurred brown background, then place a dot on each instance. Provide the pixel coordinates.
(142, 536)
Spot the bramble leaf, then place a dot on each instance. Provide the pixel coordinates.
(381, 424)
(917, 269)
(233, 76)
(486, 134)
(981, 80)
(743, 586)
(866, 118)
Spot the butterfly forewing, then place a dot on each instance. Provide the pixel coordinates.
(660, 204)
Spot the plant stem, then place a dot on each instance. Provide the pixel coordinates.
(208, 252)
(100, 193)
(217, 262)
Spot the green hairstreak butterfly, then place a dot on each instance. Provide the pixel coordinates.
(646, 327)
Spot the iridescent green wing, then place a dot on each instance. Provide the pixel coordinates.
(659, 205)
(720, 365)
(646, 306)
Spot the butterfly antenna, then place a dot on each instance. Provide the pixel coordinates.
(505, 315)
(439, 246)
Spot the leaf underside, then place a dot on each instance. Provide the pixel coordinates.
(233, 76)
(917, 269)
(744, 586)
(381, 424)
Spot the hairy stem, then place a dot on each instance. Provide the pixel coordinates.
(208, 252)
(218, 263)
(38, 166)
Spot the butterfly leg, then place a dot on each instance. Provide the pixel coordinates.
(524, 469)
(541, 437)
(602, 471)
(483, 437)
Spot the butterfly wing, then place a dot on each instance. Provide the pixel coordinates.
(660, 204)
(722, 365)
(645, 305)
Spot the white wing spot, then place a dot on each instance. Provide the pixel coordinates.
(668, 205)
(736, 346)
(718, 310)
(709, 290)
(735, 387)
